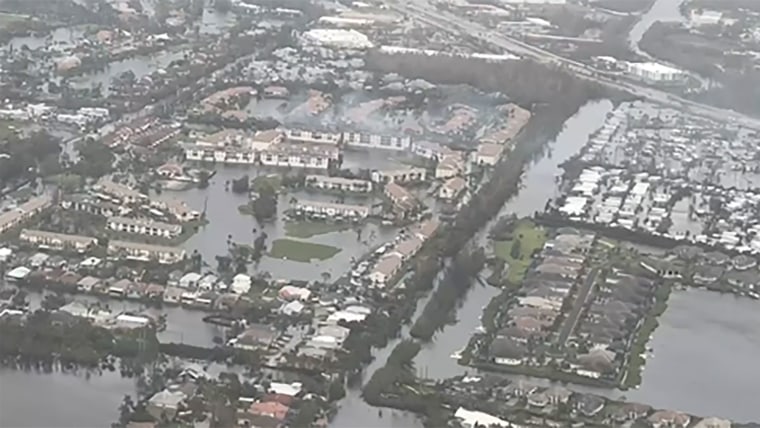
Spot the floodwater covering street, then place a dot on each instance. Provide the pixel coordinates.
(434, 360)
(705, 357)
(31, 399)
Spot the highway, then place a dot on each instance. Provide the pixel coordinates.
(424, 12)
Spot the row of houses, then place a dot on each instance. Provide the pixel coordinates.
(388, 266)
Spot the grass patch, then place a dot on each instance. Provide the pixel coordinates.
(636, 361)
(10, 18)
(531, 238)
(300, 251)
(307, 229)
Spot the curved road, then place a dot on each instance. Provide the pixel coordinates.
(421, 10)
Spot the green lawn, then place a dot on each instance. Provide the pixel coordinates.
(531, 238)
(307, 229)
(301, 251)
(8, 18)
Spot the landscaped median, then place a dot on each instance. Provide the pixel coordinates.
(301, 251)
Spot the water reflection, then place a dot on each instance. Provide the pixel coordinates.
(705, 357)
(30, 399)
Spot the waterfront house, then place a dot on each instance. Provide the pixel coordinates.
(596, 363)
(385, 269)
(744, 262)
(172, 295)
(538, 399)
(474, 419)
(589, 405)
(505, 351)
(270, 409)
(713, 422)
(256, 336)
(407, 248)
(144, 226)
(668, 269)
(57, 241)
(165, 404)
(558, 394)
(488, 154)
(452, 188)
(668, 419)
(404, 203)
(145, 252)
(189, 280)
(631, 412)
(450, 164)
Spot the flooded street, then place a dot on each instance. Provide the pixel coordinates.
(434, 360)
(221, 208)
(705, 357)
(31, 399)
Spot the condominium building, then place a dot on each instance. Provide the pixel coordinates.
(339, 183)
(372, 141)
(312, 137)
(144, 227)
(23, 212)
(312, 156)
(403, 175)
(331, 210)
(57, 241)
(145, 252)
(119, 192)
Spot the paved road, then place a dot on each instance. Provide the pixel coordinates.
(445, 21)
(584, 292)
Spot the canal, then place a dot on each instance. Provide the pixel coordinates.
(661, 11)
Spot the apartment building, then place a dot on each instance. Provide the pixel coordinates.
(312, 137)
(23, 212)
(373, 141)
(57, 241)
(325, 182)
(145, 252)
(144, 226)
(403, 175)
(331, 210)
(119, 192)
(313, 156)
